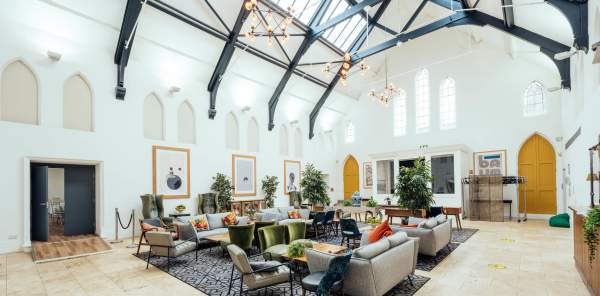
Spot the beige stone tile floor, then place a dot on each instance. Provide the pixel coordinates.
(538, 261)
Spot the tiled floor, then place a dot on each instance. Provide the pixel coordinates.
(538, 261)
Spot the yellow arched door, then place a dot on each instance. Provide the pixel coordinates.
(537, 163)
(350, 177)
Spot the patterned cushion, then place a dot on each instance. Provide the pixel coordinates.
(294, 214)
(199, 222)
(148, 227)
(230, 219)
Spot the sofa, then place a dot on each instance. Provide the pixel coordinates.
(375, 268)
(215, 226)
(434, 233)
(280, 214)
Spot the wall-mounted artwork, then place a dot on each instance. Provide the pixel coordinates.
(490, 163)
(171, 172)
(244, 175)
(291, 180)
(368, 174)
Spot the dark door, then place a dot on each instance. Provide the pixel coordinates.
(80, 210)
(39, 203)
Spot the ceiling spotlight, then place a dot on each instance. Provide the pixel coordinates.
(565, 54)
(54, 56)
(246, 109)
(174, 89)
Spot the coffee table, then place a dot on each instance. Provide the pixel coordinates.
(321, 247)
(219, 239)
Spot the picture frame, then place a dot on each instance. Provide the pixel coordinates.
(490, 163)
(292, 174)
(243, 168)
(367, 175)
(171, 172)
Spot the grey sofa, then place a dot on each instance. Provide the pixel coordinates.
(280, 214)
(375, 268)
(215, 226)
(434, 233)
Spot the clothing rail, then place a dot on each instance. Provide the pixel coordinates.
(506, 180)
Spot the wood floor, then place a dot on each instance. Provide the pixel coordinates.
(75, 246)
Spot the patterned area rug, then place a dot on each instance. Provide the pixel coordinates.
(461, 236)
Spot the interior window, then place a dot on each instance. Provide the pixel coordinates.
(442, 171)
(385, 177)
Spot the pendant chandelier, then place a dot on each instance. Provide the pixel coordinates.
(387, 93)
(267, 23)
(344, 71)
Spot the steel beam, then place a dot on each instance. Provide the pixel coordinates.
(304, 46)
(224, 59)
(576, 13)
(414, 16)
(508, 13)
(378, 25)
(125, 43)
(356, 45)
(350, 12)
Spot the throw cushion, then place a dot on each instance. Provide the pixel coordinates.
(230, 219)
(267, 266)
(269, 217)
(335, 273)
(216, 220)
(397, 239)
(304, 213)
(372, 250)
(199, 222)
(428, 224)
(148, 227)
(380, 231)
(294, 214)
(441, 218)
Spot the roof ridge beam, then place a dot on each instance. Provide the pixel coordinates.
(125, 43)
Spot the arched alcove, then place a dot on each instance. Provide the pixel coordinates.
(186, 123)
(153, 118)
(253, 137)
(284, 141)
(77, 104)
(232, 132)
(19, 94)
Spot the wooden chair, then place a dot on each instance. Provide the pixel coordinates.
(454, 212)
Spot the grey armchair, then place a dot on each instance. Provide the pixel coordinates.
(162, 245)
(257, 275)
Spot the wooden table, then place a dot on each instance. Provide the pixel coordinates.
(321, 247)
(456, 213)
(218, 237)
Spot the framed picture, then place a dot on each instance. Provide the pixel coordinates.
(292, 174)
(490, 163)
(244, 175)
(171, 172)
(368, 174)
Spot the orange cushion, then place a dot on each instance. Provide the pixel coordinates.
(199, 223)
(380, 231)
(294, 214)
(230, 219)
(148, 227)
(411, 225)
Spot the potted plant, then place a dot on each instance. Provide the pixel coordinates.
(347, 203)
(388, 200)
(180, 208)
(590, 231)
(372, 203)
(269, 186)
(222, 187)
(412, 187)
(314, 187)
(296, 250)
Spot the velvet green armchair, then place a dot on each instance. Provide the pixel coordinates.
(296, 232)
(273, 241)
(241, 236)
(258, 225)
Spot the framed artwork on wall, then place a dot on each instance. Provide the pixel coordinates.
(244, 175)
(292, 174)
(490, 163)
(368, 175)
(171, 172)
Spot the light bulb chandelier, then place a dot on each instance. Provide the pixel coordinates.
(344, 71)
(267, 23)
(385, 95)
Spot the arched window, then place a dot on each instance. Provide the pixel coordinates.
(447, 104)
(232, 132)
(284, 141)
(349, 133)
(253, 139)
(422, 101)
(298, 143)
(77, 104)
(154, 121)
(186, 123)
(400, 113)
(534, 102)
(19, 94)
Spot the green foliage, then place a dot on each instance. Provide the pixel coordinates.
(314, 187)
(347, 203)
(373, 220)
(269, 186)
(222, 187)
(372, 203)
(296, 250)
(412, 186)
(590, 231)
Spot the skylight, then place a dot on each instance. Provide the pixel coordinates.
(341, 35)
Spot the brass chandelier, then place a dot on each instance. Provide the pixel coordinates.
(267, 23)
(344, 71)
(387, 93)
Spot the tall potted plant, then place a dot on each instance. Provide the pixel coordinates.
(269, 186)
(222, 187)
(412, 187)
(314, 187)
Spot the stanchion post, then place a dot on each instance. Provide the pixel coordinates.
(133, 244)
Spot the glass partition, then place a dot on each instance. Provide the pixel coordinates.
(385, 177)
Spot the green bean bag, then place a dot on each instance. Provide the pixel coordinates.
(560, 220)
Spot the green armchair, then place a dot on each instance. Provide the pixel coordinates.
(258, 225)
(273, 241)
(241, 236)
(296, 232)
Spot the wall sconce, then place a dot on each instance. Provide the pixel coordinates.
(54, 56)
(245, 109)
(174, 89)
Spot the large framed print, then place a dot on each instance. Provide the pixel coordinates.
(244, 175)
(291, 180)
(171, 172)
(368, 175)
(490, 163)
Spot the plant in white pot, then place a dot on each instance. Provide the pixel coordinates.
(314, 187)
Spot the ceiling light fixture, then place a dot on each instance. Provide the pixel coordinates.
(387, 93)
(54, 56)
(344, 70)
(267, 23)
